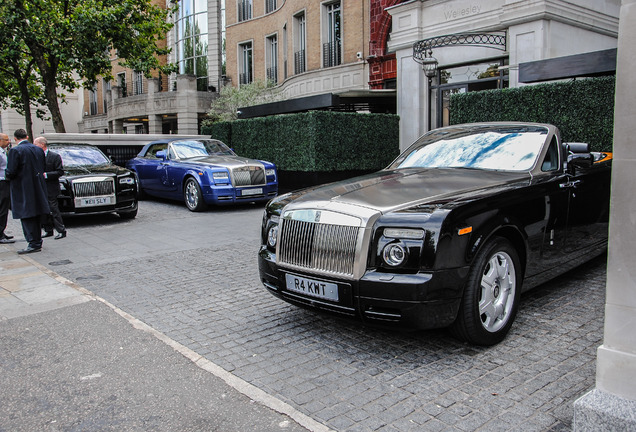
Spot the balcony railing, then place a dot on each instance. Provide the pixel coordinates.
(299, 62)
(331, 54)
(272, 74)
(245, 78)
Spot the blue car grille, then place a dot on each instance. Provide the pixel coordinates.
(320, 247)
(93, 188)
(248, 176)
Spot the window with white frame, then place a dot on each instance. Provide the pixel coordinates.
(285, 51)
(332, 35)
(300, 35)
(245, 63)
(271, 58)
(105, 93)
(270, 6)
(121, 81)
(92, 101)
(192, 40)
(138, 83)
(244, 10)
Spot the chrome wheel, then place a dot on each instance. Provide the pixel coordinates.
(491, 295)
(498, 286)
(192, 195)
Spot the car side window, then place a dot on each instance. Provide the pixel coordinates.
(153, 149)
(551, 161)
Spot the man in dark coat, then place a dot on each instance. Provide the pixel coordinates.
(53, 171)
(25, 169)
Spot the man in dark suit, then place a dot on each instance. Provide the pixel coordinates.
(25, 172)
(52, 174)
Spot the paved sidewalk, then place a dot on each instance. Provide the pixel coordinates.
(71, 361)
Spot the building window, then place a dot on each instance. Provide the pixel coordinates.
(271, 58)
(92, 101)
(270, 6)
(285, 51)
(245, 63)
(300, 63)
(192, 41)
(121, 81)
(138, 83)
(244, 10)
(105, 93)
(332, 48)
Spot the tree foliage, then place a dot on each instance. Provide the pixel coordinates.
(226, 106)
(19, 85)
(67, 39)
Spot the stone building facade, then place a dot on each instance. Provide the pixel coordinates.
(305, 47)
(132, 103)
(532, 30)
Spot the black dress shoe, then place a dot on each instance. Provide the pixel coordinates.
(60, 235)
(7, 236)
(5, 240)
(47, 234)
(29, 250)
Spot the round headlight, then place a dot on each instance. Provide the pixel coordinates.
(394, 254)
(272, 236)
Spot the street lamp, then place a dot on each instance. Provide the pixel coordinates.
(429, 66)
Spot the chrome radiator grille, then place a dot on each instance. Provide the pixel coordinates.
(316, 246)
(248, 176)
(83, 188)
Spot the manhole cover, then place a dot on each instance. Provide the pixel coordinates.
(91, 277)
(59, 263)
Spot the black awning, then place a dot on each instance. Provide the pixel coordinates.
(597, 63)
(374, 101)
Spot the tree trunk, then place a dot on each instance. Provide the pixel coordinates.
(48, 72)
(50, 92)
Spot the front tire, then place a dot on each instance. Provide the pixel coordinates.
(192, 196)
(491, 296)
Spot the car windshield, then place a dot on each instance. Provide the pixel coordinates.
(81, 156)
(200, 148)
(489, 148)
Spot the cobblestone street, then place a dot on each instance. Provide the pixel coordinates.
(194, 277)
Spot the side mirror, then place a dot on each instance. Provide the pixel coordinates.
(161, 154)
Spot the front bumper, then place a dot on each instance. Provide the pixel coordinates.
(418, 301)
(228, 194)
(125, 201)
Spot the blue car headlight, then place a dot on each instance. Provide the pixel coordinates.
(270, 172)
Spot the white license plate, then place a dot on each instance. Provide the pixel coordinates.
(249, 192)
(312, 287)
(92, 202)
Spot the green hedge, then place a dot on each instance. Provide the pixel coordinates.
(582, 109)
(317, 141)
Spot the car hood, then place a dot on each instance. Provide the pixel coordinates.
(79, 171)
(224, 161)
(386, 191)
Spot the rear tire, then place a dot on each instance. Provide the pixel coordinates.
(491, 296)
(192, 196)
